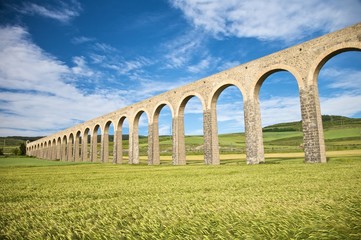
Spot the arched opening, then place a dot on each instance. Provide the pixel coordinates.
(228, 102)
(162, 136)
(191, 110)
(58, 149)
(108, 141)
(86, 141)
(45, 150)
(77, 146)
(71, 148)
(140, 128)
(95, 153)
(64, 147)
(122, 141)
(54, 150)
(338, 79)
(278, 94)
(50, 152)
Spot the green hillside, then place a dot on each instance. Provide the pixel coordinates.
(341, 133)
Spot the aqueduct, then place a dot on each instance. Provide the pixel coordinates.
(303, 61)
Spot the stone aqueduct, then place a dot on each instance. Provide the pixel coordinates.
(303, 61)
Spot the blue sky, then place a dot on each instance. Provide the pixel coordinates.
(66, 62)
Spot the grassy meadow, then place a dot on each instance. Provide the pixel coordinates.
(283, 199)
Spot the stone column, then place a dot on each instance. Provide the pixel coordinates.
(84, 147)
(104, 148)
(314, 143)
(70, 151)
(133, 144)
(118, 147)
(211, 150)
(93, 146)
(76, 149)
(179, 150)
(63, 152)
(58, 151)
(253, 132)
(153, 144)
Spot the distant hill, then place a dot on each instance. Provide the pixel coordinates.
(329, 122)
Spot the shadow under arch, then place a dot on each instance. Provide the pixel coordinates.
(215, 122)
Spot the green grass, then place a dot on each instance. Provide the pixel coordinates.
(283, 199)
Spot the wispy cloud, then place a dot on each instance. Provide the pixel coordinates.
(82, 39)
(34, 86)
(64, 12)
(270, 19)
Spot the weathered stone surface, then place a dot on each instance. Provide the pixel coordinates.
(303, 61)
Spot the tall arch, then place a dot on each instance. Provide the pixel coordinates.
(77, 146)
(278, 105)
(54, 152)
(214, 116)
(58, 149)
(106, 141)
(118, 141)
(314, 143)
(94, 143)
(64, 147)
(179, 148)
(85, 152)
(154, 134)
(134, 137)
(71, 148)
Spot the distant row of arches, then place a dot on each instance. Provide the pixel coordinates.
(80, 143)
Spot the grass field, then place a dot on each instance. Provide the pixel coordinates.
(283, 199)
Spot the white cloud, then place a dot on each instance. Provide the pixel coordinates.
(82, 39)
(345, 105)
(63, 13)
(181, 50)
(346, 79)
(36, 99)
(270, 19)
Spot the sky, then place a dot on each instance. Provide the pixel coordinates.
(67, 61)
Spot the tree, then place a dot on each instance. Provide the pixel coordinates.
(22, 148)
(16, 151)
(1, 151)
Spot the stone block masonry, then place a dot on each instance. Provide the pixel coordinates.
(303, 61)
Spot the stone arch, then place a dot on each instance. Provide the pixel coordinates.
(106, 140)
(45, 150)
(71, 143)
(58, 149)
(179, 149)
(94, 143)
(134, 136)
(154, 153)
(64, 142)
(327, 55)
(77, 142)
(213, 141)
(54, 149)
(118, 139)
(85, 152)
(49, 150)
(220, 88)
(184, 100)
(260, 78)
